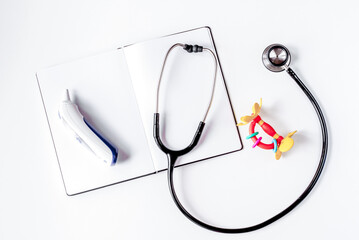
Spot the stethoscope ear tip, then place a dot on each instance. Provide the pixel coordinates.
(276, 57)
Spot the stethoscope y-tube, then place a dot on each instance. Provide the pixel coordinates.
(172, 155)
(276, 58)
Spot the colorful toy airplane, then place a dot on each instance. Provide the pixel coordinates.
(278, 145)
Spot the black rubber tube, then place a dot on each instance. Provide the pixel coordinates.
(172, 160)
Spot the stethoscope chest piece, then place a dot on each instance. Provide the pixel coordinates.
(276, 58)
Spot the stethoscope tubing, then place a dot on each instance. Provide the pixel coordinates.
(171, 160)
(172, 156)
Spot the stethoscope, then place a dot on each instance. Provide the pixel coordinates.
(276, 58)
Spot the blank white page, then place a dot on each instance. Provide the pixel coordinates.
(101, 87)
(184, 96)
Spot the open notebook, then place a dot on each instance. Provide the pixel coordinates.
(116, 92)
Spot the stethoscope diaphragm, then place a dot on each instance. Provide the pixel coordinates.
(276, 58)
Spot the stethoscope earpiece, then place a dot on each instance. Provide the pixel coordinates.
(276, 58)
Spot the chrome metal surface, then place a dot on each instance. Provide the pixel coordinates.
(276, 58)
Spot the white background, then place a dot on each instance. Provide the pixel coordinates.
(323, 39)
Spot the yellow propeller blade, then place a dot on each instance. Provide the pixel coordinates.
(257, 108)
(247, 119)
(291, 134)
